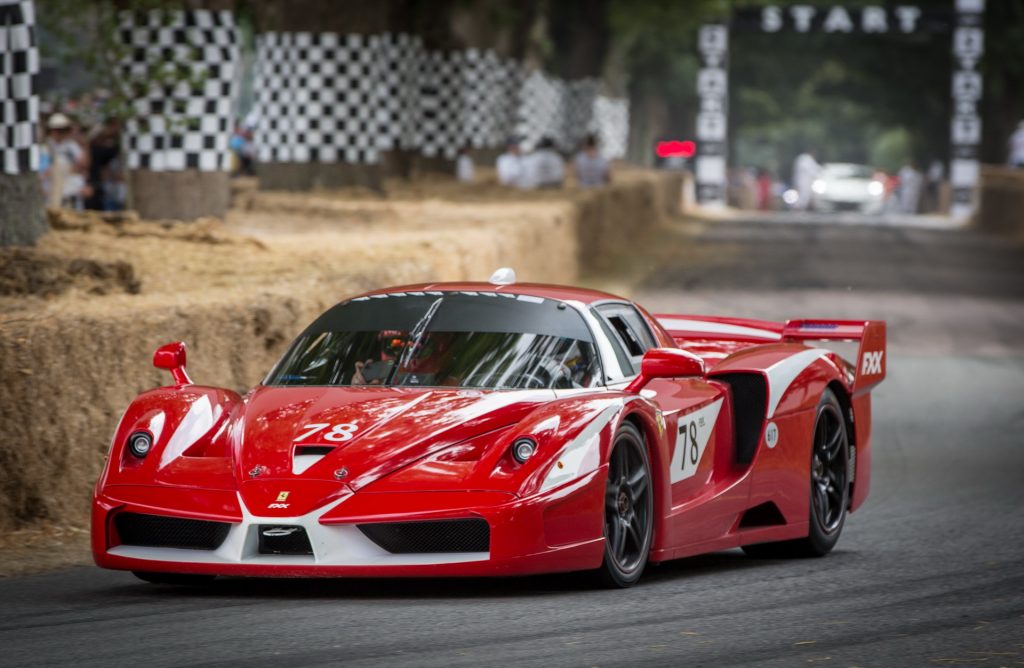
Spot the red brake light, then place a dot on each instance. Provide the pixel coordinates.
(676, 149)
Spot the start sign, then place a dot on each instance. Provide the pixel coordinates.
(837, 19)
(962, 19)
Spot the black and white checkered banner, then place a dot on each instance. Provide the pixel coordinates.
(328, 97)
(611, 125)
(490, 96)
(965, 128)
(712, 119)
(542, 108)
(19, 104)
(181, 67)
(318, 97)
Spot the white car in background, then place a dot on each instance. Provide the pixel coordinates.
(845, 186)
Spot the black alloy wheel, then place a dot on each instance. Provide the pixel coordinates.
(830, 488)
(628, 509)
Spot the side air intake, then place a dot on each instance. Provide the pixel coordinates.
(749, 402)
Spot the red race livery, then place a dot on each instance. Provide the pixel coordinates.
(496, 429)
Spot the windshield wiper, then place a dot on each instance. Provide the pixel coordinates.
(414, 338)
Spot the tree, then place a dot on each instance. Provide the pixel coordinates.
(1002, 106)
(652, 57)
(580, 36)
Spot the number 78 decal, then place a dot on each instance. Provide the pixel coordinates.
(692, 436)
(338, 432)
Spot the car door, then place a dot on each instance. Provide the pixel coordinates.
(708, 491)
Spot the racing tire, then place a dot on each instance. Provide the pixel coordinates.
(628, 510)
(181, 579)
(830, 488)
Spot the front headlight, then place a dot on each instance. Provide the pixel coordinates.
(523, 449)
(819, 187)
(140, 443)
(875, 188)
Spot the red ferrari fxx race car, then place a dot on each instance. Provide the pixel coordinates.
(496, 429)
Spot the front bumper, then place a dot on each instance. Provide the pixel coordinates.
(869, 206)
(559, 530)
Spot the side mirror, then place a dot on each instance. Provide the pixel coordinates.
(666, 363)
(172, 358)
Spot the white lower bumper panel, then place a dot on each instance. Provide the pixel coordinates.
(333, 545)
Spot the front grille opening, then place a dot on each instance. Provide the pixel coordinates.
(464, 535)
(279, 539)
(159, 531)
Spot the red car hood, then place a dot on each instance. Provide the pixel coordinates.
(382, 429)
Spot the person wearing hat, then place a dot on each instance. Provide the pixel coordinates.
(65, 185)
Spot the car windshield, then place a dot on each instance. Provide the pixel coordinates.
(449, 339)
(847, 171)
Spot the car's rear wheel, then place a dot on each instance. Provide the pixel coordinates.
(830, 487)
(628, 510)
(183, 579)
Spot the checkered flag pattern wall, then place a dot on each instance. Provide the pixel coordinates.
(611, 125)
(489, 98)
(317, 96)
(439, 130)
(19, 105)
(181, 66)
(578, 113)
(541, 109)
(398, 92)
(326, 97)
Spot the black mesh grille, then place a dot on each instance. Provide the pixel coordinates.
(469, 535)
(276, 539)
(160, 531)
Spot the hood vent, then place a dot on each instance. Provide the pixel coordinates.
(307, 455)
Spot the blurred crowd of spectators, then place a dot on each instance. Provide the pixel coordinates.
(542, 168)
(80, 160)
(908, 190)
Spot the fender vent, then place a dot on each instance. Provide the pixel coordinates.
(749, 402)
(468, 535)
(160, 531)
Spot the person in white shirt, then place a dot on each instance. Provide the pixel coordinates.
(805, 170)
(464, 169)
(544, 168)
(1017, 147)
(910, 188)
(590, 166)
(933, 185)
(510, 166)
(64, 183)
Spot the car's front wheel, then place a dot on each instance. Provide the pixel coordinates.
(628, 510)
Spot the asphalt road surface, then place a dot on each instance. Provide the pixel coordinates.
(929, 573)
